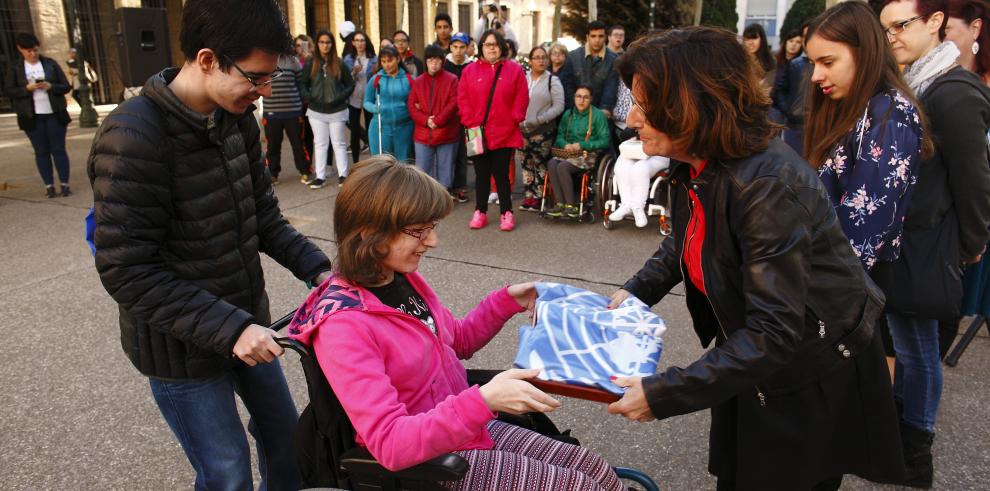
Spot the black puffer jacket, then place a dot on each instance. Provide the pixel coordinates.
(786, 294)
(184, 205)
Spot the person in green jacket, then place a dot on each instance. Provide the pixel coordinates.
(583, 133)
(327, 86)
(385, 95)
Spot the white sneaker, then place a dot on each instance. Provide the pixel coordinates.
(640, 217)
(620, 213)
(493, 198)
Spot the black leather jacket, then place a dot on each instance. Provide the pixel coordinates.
(788, 301)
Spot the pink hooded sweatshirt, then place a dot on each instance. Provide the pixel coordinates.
(404, 389)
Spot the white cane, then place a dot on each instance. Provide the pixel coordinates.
(378, 102)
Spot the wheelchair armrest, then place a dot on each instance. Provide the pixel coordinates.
(478, 376)
(447, 467)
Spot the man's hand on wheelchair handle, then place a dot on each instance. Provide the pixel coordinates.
(633, 404)
(509, 392)
(256, 344)
(617, 298)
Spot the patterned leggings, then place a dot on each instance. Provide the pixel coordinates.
(536, 152)
(526, 460)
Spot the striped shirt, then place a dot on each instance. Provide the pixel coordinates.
(285, 101)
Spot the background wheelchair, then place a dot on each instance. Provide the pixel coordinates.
(657, 202)
(587, 190)
(329, 458)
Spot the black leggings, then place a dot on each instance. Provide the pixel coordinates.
(493, 163)
(359, 132)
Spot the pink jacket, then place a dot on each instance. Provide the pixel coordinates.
(508, 105)
(404, 390)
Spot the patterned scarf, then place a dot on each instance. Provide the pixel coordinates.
(925, 70)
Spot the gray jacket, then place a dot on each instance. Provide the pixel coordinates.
(546, 101)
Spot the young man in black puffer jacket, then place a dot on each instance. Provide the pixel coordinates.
(184, 206)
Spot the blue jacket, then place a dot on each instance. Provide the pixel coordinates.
(369, 68)
(601, 77)
(394, 94)
(788, 92)
(870, 176)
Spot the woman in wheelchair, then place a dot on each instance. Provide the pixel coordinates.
(633, 171)
(390, 349)
(582, 135)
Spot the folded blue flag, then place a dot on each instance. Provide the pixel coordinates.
(576, 340)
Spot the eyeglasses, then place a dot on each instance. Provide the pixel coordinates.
(638, 105)
(538, 58)
(400, 41)
(489, 45)
(255, 83)
(580, 96)
(898, 27)
(420, 233)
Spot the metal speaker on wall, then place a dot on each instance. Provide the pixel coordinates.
(143, 43)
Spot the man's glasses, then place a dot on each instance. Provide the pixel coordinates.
(898, 27)
(256, 83)
(420, 233)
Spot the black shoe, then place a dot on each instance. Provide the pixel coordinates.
(461, 197)
(317, 184)
(66, 192)
(917, 443)
(556, 211)
(50, 191)
(340, 181)
(274, 180)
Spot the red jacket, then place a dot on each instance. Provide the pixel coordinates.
(435, 96)
(508, 105)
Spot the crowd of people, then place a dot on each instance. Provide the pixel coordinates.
(824, 203)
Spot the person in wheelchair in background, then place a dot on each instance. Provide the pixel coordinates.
(389, 347)
(582, 136)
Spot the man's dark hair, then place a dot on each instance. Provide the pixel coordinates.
(596, 25)
(443, 16)
(233, 28)
(608, 32)
(26, 40)
(400, 31)
(493, 8)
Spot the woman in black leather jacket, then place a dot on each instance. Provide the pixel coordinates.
(796, 381)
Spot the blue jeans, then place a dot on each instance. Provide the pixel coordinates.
(48, 140)
(437, 161)
(918, 372)
(203, 416)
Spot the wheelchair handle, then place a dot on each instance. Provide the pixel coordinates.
(284, 321)
(292, 344)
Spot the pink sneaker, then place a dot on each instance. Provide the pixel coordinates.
(508, 222)
(479, 220)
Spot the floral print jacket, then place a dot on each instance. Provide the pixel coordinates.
(871, 173)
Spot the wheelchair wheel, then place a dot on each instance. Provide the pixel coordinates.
(603, 182)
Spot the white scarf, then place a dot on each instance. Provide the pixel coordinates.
(925, 70)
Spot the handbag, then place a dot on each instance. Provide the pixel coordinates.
(474, 137)
(926, 281)
(577, 158)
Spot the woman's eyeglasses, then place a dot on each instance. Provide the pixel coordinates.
(898, 27)
(420, 233)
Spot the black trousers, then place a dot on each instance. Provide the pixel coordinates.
(274, 129)
(493, 163)
(359, 132)
(460, 165)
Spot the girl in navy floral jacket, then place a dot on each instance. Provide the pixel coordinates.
(865, 131)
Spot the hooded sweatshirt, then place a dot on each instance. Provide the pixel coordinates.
(402, 387)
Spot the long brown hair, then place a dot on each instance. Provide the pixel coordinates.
(332, 61)
(379, 198)
(702, 90)
(828, 121)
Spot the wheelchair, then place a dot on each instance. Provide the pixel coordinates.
(345, 465)
(587, 190)
(657, 201)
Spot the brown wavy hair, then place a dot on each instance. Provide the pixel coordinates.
(828, 121)
(702, 90)
(378, 199)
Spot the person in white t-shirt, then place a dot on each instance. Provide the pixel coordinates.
(37, 87)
